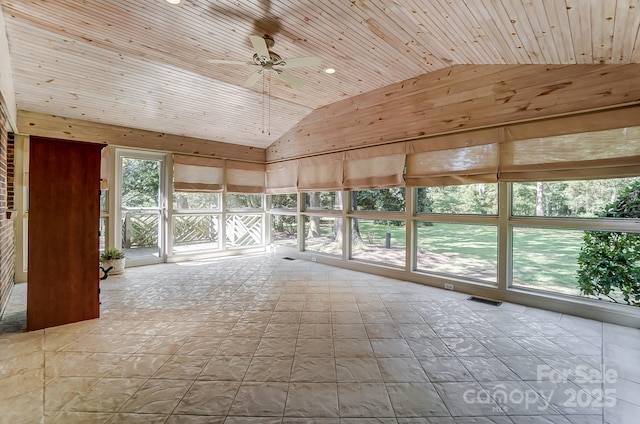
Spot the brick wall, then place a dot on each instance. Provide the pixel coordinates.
(7, 237)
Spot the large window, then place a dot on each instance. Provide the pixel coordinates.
(462, 250)
(567, 198)
(244, 227)
(196, 222)
(382, 200)
(284, 201)
(244, 202)
(323, 234)
(188, 201)
(382, 242)
(284, 223)
(284, 230)
(480, 199)
(546, 259)
(378, 230)
(327, 200)
(457, 231)
(556, 251)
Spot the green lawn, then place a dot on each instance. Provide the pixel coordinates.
(542, 258)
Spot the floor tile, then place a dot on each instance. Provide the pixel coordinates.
(429, 347)
(272, 346)
(261, 340)
(208, 398)
(445, 368)
(401, 370)
(157, 396)
(269, 369)
(391, 348)
(349, 331)
(416, 400)
(313, 370)
(468, 399)
(106, 395)
(226, 368)
(487, 368)
(66, 417)
(357, 370)
(364, 400)
(312, 400)
(315, 347)
(260, 399)
(183, 367)
(237, 346)
(195, 419)
(353, 348)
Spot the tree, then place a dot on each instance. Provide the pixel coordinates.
(609, 262)
(140, 182)
(314, 221)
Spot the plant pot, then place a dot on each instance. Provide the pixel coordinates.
(116, 264)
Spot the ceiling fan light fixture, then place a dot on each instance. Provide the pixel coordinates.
(174, 1)
(330, 71)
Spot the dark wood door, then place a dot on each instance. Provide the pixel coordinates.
(64, 184)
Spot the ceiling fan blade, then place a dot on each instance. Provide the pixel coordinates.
(253, 78)
(230, 62)
(260, 46)
(287, 77)
(297, 62)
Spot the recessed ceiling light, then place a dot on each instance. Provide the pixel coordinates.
(330, 71)
(173, 1)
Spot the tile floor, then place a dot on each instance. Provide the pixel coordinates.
(265, 340)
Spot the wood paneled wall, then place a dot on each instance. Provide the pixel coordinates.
(459, 98)
(74, 129)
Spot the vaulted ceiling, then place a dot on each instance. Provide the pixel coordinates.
(144, 64)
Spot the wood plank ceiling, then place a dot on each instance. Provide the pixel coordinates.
(143, 64)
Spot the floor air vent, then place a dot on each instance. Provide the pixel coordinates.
(486, 301)
(288, 258)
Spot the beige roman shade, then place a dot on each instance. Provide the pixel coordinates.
(245, 177)
(192, 173)
(282, 177)
(321, 173)
(104, 168)
(454, 159)
(375, 167)
(598, 154)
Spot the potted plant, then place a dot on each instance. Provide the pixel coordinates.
(113, 258)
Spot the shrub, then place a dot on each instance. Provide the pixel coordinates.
(111, 254)
(609, 262)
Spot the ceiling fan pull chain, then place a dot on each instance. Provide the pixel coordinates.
(269, 124)
(263, 102)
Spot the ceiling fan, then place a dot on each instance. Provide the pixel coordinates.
(268, 60)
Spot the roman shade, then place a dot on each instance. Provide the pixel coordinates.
(282, 177)
(454, 159)
(321, 173)
(604, 144)
(192, 173)
(375, 167)
(245, 177)
(602, 154)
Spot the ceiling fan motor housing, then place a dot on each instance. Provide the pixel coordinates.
(274, 59)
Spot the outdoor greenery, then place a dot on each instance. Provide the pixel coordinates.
(111, 254)
(609, 262)
(196, 201)
(479, 199)
(140, 182)
(244, 201)
(599, 264)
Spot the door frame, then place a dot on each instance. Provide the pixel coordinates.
(163, 205)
